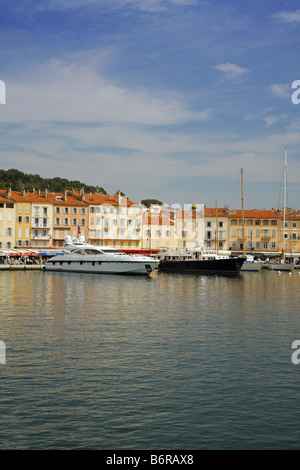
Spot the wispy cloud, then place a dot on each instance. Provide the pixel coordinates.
(232, 71)
(287, 16)
(142, 5)
(283, 90)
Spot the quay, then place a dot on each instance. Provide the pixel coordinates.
(21, 267)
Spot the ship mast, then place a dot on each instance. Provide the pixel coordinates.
(284, 201)
(243, 219)
(217, 230)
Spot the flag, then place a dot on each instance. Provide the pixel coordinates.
(79, 231)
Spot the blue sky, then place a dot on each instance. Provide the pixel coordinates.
(163, 99)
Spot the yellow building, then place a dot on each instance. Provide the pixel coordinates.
(262, 233)
(7, 221)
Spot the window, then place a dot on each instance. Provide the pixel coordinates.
(233, 222)
(208, 224)
(265, 222)
(57, 210)
(20, 219)
(273, 222)
(257, 222)
(57, 221)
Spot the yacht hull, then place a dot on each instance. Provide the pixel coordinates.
(98, 266)
(224, 265)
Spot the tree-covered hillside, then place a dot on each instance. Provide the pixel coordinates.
(18, 181)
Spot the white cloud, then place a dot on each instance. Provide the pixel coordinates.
(232, 71)
(283, 90)
(63, 91)
(287, 16)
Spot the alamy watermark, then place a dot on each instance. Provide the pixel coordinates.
(2, 353)
(2, 92)
(295, 96)
(295, 356)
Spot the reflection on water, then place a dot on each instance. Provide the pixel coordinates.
(162, 362)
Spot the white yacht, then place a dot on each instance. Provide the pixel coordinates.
(83, 257)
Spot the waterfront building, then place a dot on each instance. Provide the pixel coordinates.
(291, 238)
(261, 231)
(216, 228)
(33, 219)
(114, 221)
(189, 227)
(7, 220)
(69, 216)
(158, 229)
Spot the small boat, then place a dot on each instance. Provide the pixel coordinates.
(82, 257)
(250, 264)
(198, 260)
(279, 266)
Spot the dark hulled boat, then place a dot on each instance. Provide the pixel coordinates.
(197, 260)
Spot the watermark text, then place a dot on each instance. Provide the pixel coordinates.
(2, 353)
(2, 92)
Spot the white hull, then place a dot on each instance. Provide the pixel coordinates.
(251, 266)
(101, 267)
(85, 258)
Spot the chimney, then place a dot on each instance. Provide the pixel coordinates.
(23, 192)
(66, 195)
(82, 195)
(118, 197)
(46, 193)
(9, 193)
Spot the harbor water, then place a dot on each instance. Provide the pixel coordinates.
(170, 361)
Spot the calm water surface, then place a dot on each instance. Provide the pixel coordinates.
(165, 362)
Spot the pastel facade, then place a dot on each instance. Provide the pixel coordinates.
(262, 233)
(69, 216)
(7, 223)
(216, 229)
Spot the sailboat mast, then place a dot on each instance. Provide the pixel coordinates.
(217, 229)
(243, 219)
(284, 200)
